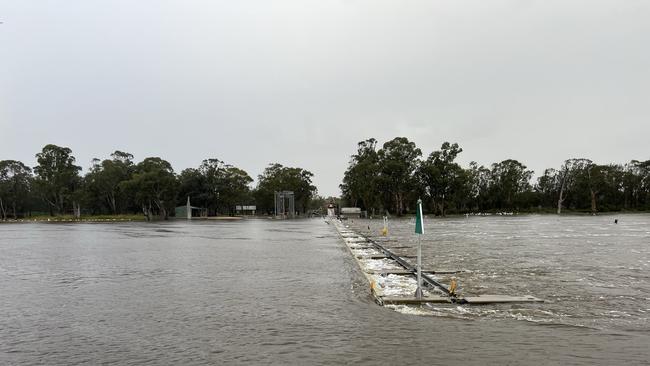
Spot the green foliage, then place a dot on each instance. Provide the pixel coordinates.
(360, 182)
(389, 179)
(118, 187)
(57, 177)
(582, 185)
(509, 180)
(15, 188)
(102, 184)
(442, 178)
(398, 161)
(394, 177)
(636, 185)
(215, 185)
(192, 183)
(277, 177)
(547, 188)
(234, 188)
(153, 186)
(93, 218)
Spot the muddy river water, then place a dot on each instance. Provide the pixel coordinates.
(288, 292)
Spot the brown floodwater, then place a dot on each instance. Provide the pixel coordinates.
(288, 292)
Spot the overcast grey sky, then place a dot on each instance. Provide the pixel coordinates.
(301, 82)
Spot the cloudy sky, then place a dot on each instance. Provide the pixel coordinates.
(301, 82)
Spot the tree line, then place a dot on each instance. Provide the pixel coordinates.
(393, 177)
(118, 185)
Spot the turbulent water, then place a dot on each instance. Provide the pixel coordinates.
(269, 292)
(591, 272)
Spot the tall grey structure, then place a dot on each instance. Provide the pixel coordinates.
(285, 206)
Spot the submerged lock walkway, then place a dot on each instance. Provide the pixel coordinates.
(392, 278)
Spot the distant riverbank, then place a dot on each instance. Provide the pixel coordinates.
(137, 217)
(71, 218)
(107, 218)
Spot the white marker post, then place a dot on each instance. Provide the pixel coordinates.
(419, 230)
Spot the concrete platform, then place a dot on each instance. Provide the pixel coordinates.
(471, 300)
(377, 292)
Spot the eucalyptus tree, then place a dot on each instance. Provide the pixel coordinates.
(153, 186)
(510, 178)
(213, 171)
(277, 177)
(398, 160)
(360, 181)
(215, 185)
(570, 180)
(576, 184)
(605, 185)
(631, 185)
(15, 187)
(386, 176)
(636, 184)
(102, 183)
(563, 180)
(57, 178)
(547, 187)
(612, 195)
(644, 188)
(480, 181)
(441, 176)
(234, 187)
(582, 184)
(191, 183)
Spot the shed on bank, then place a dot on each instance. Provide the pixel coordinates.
(189, 211)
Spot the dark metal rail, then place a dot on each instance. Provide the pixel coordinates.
(486, 299)
(408, 266)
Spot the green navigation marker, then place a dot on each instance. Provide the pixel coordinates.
(419, 227)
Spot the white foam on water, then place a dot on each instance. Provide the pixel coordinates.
(411, 310)
(355, 240)
(365, 252)
(378, 264)
(394, 285)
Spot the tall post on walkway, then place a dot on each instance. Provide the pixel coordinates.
(419, 230)
(189, 209)
(384, 230)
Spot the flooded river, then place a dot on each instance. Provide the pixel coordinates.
(269, 292)
(591, 272)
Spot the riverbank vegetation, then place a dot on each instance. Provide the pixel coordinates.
(393, 177)
(378, 179)
(123, 189)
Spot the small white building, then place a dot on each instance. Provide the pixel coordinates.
(246, 210)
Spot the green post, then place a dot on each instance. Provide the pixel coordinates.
(419, 230)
